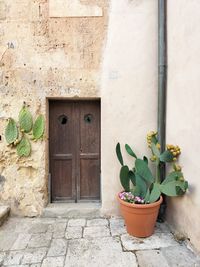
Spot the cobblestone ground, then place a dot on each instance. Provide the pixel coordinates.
(43, 242)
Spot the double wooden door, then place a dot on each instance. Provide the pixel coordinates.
(74, 139)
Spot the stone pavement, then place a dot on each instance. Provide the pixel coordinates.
(47, 242)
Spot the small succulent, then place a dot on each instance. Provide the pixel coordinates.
(140, 181)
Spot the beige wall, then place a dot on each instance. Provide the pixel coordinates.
(129, 87)
(42, 55)
(183, 110)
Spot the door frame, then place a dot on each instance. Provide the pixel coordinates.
(68, 99)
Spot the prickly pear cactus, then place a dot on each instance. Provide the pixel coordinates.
(38, 127)
(18, 134)
(25, 120)
(11, 132)
(24, 147)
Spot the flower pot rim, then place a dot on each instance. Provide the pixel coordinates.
(140, 206)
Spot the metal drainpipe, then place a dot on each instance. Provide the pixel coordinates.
(162, 87)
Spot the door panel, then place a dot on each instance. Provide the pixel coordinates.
(89, 179)
(89, 150)
(62, 187)
(74, 134)
(62, 164)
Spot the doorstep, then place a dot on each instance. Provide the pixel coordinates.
(72, 210)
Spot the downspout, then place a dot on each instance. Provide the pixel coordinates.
(162, 87)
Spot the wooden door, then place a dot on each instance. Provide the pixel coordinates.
(74, 132)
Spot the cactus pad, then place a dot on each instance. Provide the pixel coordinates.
(38, 127)
(24, 148)
(25, 120)
(11, 132)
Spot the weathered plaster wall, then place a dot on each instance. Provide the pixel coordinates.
(183, 110)
(129, 89)
(43, 54)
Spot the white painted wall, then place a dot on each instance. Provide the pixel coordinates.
(183, 109)
(129, 87)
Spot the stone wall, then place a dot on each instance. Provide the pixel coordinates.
(47, 49)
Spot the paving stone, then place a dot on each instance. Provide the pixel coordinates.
(117, 226)
(21, 242)
(2, 256)
(96, 231)
(151, 258)
(106, 251)
(58, 229)
(40, 240)
(34, 255)
(38, 228)
(77, 222)
(156, 241)
(74, 232)
(53, 262)
(58, 247)
(18, 265)
(13, 258)
(17, 225)
(97, 222)
(6, 240)
(180, 256)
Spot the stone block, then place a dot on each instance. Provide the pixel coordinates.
(96, 231)
(77, 222)
(97, 222)
(21, 242)
(117, 226)
(74, 232)
(37, 228)
(34, 11)
(33, 265)
(53, 262)
(58, 229)
(180, 256)
(68, 8)
(2, 10)
(6, 240)
(2, 256)
(151, 258)
(13, 258)
(98, 252)
(40, 240)
(34, 255)
(156, 241)
(58, 248)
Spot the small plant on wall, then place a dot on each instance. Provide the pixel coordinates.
(19, 134)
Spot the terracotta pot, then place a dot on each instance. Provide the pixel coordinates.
(140, 219)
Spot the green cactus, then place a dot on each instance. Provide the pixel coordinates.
(11, 131)
(25, 120)
(24, 147)
(144, 183)
(119, 154)
(38, 127)
(130, 151)
(124, 178)
(20, 139)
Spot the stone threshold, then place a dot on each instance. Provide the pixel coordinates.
(72, 210)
